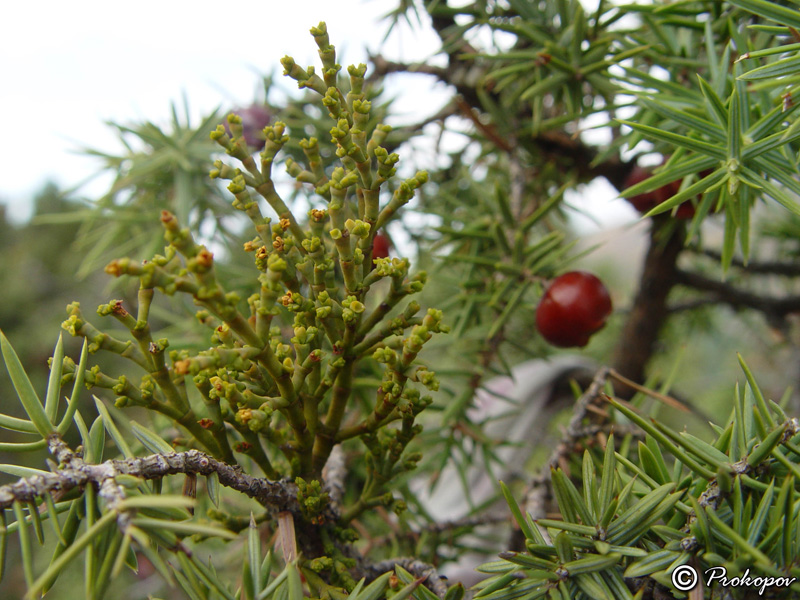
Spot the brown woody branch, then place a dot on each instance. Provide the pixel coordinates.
(382, 67)
(540, 491)
(276, 496)
(738, 298)
(650, 310)
(765, 267)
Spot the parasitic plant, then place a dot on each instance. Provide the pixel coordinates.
(264, 407)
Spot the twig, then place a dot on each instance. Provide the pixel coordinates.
(767, 267)
(276, 496)
(382, 67)
(448, 110)
(539, 490)
(649, 310)
(738, 298)
(489, 131)
(692, 305)
(668, 400)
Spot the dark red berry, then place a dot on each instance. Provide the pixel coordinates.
(380, 246)
(254, 118)
(685, 211)
(649, 200)
(575, 306)
(641, 202)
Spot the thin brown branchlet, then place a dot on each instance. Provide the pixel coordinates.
(73, 472)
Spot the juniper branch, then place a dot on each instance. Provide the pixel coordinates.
(276, 496)
(539, 490)
(771, 267)
(738, 298)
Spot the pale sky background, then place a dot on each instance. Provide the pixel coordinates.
(66, 68)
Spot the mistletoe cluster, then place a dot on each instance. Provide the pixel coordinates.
(274, 389)
(277, 380)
